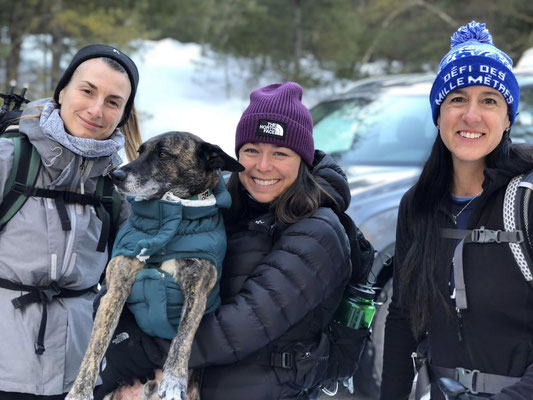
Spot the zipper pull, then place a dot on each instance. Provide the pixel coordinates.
(82, 165)
(82, 183)
(459, 324)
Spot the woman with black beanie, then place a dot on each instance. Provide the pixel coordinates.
(51, 251)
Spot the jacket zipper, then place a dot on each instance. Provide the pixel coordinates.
(82, 180)
(85, 168)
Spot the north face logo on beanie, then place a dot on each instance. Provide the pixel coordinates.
(277, 116)
(271, 128)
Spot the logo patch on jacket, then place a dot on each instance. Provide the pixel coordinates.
(270, 128)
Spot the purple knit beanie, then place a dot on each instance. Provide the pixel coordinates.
(276, 115)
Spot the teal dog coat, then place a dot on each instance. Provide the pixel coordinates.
(160, 230)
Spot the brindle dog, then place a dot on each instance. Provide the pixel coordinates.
(185, 165)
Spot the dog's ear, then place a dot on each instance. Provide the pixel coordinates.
(216, 158)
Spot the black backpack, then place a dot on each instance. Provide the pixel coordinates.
(336, 357)
(347, 344)
(516, 234)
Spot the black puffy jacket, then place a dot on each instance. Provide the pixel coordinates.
(280, 286)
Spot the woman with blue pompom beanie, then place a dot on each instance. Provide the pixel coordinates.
(465, 298)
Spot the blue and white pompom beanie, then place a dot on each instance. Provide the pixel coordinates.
(474, 60)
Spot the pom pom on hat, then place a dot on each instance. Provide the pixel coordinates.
(474, 60)
(473, 30)
(276, 115)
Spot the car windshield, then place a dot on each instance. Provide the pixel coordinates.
(383, 129)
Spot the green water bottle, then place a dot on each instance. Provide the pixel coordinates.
(357, 307)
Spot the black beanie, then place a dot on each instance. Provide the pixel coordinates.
(97, 51)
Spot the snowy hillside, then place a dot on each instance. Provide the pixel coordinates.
(176, 93)
(180, 89)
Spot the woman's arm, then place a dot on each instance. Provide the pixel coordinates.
(309, 260)
(398, 371)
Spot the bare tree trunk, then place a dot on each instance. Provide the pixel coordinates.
(55, 69)
(297, 38)
(396, 13)
(58, 49)
(13, 60)
(15, 33)
(384, 25)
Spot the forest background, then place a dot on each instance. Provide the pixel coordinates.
(317, 43)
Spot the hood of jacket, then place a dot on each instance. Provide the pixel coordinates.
(332, 178)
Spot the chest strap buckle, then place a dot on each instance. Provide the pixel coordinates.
(483, 235)
(468, 378)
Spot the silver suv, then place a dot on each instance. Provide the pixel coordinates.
(381, 132)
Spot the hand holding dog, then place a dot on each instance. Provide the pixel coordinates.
(131, 355)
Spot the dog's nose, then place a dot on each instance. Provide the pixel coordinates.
(118, 175)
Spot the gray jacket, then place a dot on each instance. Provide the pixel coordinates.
(34, 250)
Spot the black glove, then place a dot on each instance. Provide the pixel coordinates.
(470, 396)
(98, 298)
(454, 390)
(131, 355)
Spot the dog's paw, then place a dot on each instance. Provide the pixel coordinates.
(173, 387)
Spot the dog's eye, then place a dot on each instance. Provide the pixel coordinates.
(162, 154)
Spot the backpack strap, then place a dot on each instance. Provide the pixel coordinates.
(481, 235)
(516, 216)
(516, 234)
(43, 295)
(20, 185)
(108, 211)
(474, 380)
(23, 175)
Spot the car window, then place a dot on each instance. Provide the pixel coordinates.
(383, 129)
(522, 130)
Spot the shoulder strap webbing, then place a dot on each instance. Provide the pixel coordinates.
(515, 217)
(26, 164)
(42, 294)
(108, 211)
(480, 235)
(474, 380)
(20, 185)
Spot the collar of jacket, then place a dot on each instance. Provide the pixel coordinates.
(495, 179)
(332, 179)
(55, 157)
(166, 210)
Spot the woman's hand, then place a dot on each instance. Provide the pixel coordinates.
(131, 356)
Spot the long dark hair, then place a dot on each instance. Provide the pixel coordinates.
(419, 282)
(298, 201)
